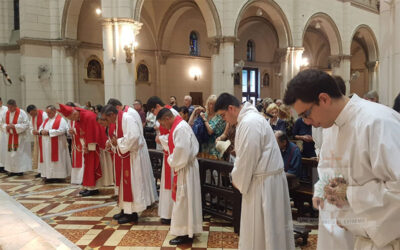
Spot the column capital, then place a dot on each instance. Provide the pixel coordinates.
(162, 55)
(116, 21)
(372, 65)
(215, 42)
(335, 60)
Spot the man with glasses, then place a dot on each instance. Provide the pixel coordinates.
(360, 156)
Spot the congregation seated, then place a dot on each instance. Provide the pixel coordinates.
(274, 121)
(290, 153)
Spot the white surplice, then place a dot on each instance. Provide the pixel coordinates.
(364, 148)
(40, 166)
(55, 169)
(166, 203)
(266, 219)
(107, 171)
(3, 141)
(20, 160)
(143, 185)
(330, 235)
(76, 173)
(187, 216)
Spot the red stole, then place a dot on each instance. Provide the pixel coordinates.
(77, 146)
(171, 147)
(54, 139)
(167, 167)
(12, 133)
(39, 122)
(123, 162)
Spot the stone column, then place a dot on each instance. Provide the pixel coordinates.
(70, 74)
(290, 59)
(373, 75)
(341, 66)
(222, 64)
(389, 47)
(119, 67)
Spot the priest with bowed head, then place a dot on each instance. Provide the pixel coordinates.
(182, 147)
(93, 136)
(165, 205)
(15, 124)
(134, 176)
(37, 117)
(56, 159)
(361, 149)
(266, 219)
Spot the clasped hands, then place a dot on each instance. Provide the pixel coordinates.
(112, 142)
(335, 192)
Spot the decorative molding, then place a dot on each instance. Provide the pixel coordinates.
(372, 65)
(47, 42)
(335, 60)
(373, 6)
(214, 43)
(5, 47)
(112, 21)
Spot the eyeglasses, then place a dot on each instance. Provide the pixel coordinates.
(306, 114)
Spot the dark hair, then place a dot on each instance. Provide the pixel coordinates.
(340, 82)
(71, 104)
(51, 107)
(173, 97)
(0, 99)
(109, 109)
(282, 136)
(153, 101)
(308, 84)
(114, 102)
(224, 100)
(12, 102)
(99, 107)
(164, 113)
(138, 101)
(30, 108)
(183, 109)
(396, 105)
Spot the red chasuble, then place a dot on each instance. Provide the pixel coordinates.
(171, 147)
(12, 133)
(39, 122)
(167, 168)
(76, 146)
(54, 139)
(122, 162)
(92, 132)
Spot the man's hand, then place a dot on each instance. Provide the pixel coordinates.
(158, 139)
(44, 132)
(71, 131)
(335, 192)
(318, 202)
(10, 126)
(35, 132)
(307, 138)
(108, 144)
(114, 141)
(85, 150)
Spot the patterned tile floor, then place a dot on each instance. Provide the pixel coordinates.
(88, 223)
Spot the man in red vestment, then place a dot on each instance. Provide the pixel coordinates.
(154, 105)
(37, 118)
(93, 136)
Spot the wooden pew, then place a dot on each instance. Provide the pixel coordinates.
(304, 192)
(150, 137)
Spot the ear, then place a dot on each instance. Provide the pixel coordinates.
(324, 98)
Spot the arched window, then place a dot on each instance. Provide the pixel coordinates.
(194, 44)
(250, 50)
(142, 73)
(16, 14)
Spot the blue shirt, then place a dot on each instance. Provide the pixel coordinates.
(300, 128)
(292, 159)
(280, 125)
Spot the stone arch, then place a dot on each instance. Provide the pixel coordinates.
(70, 18)
(276, 16)
(370, 42)
(206, 7)
(330, 30)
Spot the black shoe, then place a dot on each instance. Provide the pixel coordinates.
(90, 192)
(83, 191)
(38, 175)
(166, 221)
(127, 218)
(117, 216)
(2, 170)
(180, 240)
(10, 174)
(19, 174)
